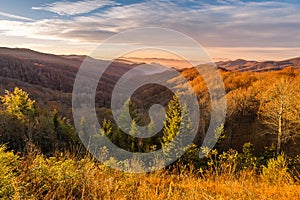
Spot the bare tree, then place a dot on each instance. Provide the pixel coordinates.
(278, 107)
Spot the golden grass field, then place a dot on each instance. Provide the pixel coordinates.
(65, 177)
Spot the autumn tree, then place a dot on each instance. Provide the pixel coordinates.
(279, 107)
(241, 106)
(19, 104)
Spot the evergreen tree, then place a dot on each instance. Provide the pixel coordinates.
(57, 130)
(177, 122)
(136, 143)
(107, 128)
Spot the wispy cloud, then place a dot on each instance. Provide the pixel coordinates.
(219, 26)
(14, 16)
(75, 8)
(238, 24)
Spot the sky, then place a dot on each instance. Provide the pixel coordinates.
(227, 29)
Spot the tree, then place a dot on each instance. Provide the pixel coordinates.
(149, 142)
(18, 103)
(107, 128)
(133, 137)
(64, 133)
(241, 106)
(57, 130)
(177, 121)
(173, 119)
(279, 108)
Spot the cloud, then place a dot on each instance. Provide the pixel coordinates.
(235, 24)
(253, 53)
(75, 8)
(227, 24)
(14, 16)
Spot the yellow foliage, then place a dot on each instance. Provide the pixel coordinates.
(65, 178)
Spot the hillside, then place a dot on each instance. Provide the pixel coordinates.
(49, 80)
(255, 66)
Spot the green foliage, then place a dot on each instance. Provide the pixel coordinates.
(269, 153)
(136, 143)
(219, 136)
(120, 137)
(8, 172)
(276, 170)
(222, 163)
(294, 165)
(107, 128)
(173, 120)
(247, 158)
(54, 176)
(23, 125)
(228, 162)
(176, 128)
(11, 132)
(83, 132)
(55, 121)
(191, 156)
(64, 177)
(18, 103)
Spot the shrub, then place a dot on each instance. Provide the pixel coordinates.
(247, 159)
(276, 170)
(8, 172)
(46, 177)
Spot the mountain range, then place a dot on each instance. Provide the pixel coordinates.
(255, 66)
(49, 78)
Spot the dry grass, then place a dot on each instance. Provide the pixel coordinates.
(64, 177)
(60, 178)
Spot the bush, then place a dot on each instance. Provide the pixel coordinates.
(247, 159)
(63, 177)
(276, 170)
(8, 172)
(52, 177)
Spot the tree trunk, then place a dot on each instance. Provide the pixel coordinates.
(279, 136)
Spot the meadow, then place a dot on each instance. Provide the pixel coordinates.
(66, 177)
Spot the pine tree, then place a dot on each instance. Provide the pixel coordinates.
(107, 128)
(177, 122)
(173, 119)
(136, 143)
(149, 143)
(57, 131)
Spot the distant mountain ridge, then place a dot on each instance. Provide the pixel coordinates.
(76, 60)
(56, 72)
(50, 78)
(255, 66)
